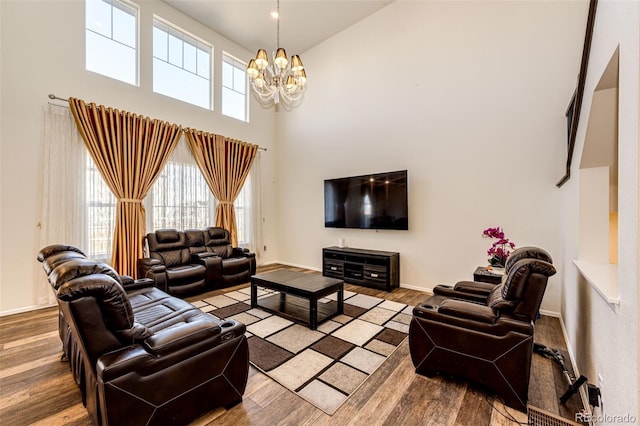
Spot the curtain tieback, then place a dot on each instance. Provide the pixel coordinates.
(225, 202)
(130, 200)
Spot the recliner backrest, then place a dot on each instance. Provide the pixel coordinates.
(56, 254)
(168, 246)
(528, 252)
(522, 288)
(195, 240)
(218, 241)
(75, 268)
(92, 294)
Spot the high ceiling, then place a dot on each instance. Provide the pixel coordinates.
(303, 23)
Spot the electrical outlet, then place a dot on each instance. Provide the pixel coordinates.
(600, 381)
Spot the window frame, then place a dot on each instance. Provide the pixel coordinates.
(186, 38)
(235, 63)
(127, 7)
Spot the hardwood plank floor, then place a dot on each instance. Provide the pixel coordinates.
(37, 388)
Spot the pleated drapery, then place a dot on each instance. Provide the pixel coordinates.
(225, 164)
(130, 151)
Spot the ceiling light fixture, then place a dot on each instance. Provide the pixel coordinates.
(278, 81)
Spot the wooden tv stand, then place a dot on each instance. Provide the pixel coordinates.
(368, 268)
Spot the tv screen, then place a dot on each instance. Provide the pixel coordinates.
(376, 201)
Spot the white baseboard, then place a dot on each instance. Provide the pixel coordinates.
(293, 265)
(25, 309)
(427, 291)
(550, 313)
(583, 393)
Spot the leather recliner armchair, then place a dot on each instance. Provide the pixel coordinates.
(238, 264)
(488, 341)
(141, 356)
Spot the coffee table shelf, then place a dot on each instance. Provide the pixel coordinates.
(296, 309)
(298, 297)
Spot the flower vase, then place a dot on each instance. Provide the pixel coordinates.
(497, 262)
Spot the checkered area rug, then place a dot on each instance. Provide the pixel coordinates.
(323, 366)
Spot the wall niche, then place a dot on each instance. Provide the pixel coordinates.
(598, 189)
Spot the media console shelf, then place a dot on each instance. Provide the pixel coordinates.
(369, 268)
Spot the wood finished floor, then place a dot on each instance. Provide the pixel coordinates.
(36, 388)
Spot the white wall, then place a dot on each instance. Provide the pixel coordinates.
(469, 97)
(42, 53)
(603, 337)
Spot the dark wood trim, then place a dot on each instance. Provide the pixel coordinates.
(579, 94)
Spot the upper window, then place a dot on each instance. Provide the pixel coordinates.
(181, 65)
(234, 87)
(111, 39)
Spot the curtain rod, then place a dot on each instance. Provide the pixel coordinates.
(52, 96)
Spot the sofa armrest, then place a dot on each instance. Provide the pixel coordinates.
(466, 310)
(130, 284)
(175, 338)
(154, 270)
(202, 256)
(453, 293)
(243, 252)
(213, 265)
(474, 287)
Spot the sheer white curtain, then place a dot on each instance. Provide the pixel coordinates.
(180, 198)
(249, 202)
(63, 217)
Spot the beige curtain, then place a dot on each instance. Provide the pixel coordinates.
(129, 151)
(225, 164)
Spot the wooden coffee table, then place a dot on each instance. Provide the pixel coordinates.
(298, 296)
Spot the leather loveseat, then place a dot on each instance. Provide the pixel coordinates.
(194, 261)
(484, 333)
(139, 355)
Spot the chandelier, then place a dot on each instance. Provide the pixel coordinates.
(278, 81)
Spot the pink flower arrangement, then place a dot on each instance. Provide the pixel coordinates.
(500, 249)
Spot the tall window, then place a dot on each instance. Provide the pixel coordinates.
(111, 39)
(180, 198)
(242, 207)
(181, 65)
(234, 87)
(101, 214)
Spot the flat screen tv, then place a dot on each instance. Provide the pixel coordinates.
(375, 201)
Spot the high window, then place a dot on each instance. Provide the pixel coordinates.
(234, 87)
(181, 65)
(111, 39)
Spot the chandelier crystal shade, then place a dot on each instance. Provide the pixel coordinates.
(281, 80)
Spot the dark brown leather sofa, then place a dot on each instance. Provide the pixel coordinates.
(139, 355)
(194, 261)
(487, 338)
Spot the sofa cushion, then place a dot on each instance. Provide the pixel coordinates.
(222, 251)
(496, 302)
(172, 257)
(185, 273)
